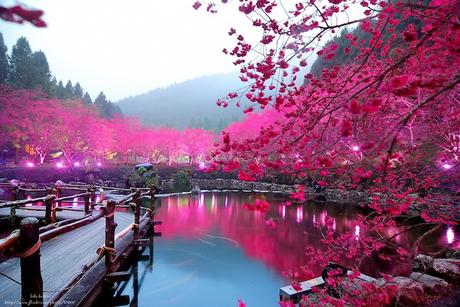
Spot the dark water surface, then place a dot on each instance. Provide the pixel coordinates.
(213, 251)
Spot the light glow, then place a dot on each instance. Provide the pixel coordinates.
(28, 204)
(59, 165)
(76, 164)
(30, 164)
(75, 202)
(355, 148)
(447, 166)
(357, 230)
(450, 236)
(99, 164)
(299, 215)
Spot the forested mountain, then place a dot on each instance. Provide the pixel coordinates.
(26, 69)
(346, 51)
(187, 104)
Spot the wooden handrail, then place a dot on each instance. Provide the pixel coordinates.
(72, 196)
(22, 202)
(9, 241)
(126, 198)
(122, 233)
(32, 190)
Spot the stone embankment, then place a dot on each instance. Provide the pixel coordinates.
(328, 195)
(432, 278)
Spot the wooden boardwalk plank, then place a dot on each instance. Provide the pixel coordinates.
(62, 258)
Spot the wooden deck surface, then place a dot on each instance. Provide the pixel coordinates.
(62, 258)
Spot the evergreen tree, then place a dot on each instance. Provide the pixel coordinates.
(100, 100)
(40, 71)
(106, 108)
(87, 99)
(4, 64)
(78, 91)
(21, 54)
(60, 93)
(53, 88)
(68, 92)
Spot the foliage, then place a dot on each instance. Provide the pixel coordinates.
(143, 178)
(4, 63)
(182, 181)
(106, 108)
(76, 129)
(30, 70)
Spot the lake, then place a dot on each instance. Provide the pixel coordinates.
(213, 251)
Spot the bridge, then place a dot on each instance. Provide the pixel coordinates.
(71, 244)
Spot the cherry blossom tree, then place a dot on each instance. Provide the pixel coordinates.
(368, 123)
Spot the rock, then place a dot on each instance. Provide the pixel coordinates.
(14, 183)
(442, 268)
(432, 285)
(453, 253)
(422, 262)
(410, 292)
(446, 270)
(59, 183)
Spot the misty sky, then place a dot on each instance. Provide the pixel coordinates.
(128, 47)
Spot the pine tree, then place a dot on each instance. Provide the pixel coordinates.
(87, 99)
(100, 99)
(60, 93)
(4, 63)
(53, 88)
(68, 92)
(106, 108)
(21, 54)
(78, 91)
(40, 71)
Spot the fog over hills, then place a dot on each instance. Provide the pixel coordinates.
(188, 104)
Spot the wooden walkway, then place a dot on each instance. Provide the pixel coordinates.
(62, 258)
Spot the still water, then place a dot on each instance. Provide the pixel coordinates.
(213, 251)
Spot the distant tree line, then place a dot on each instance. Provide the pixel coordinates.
(27, 69)
(208, 124)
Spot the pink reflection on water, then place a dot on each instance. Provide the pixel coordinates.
(282, 211)
(201, 202)
(322, 217)
(282, 249)
(299, 215)
(450, 236)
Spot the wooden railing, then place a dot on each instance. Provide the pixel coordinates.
(25, 243)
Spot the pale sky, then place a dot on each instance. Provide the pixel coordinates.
(128, 47)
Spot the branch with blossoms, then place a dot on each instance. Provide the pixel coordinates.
(20, 14)
(368, 124)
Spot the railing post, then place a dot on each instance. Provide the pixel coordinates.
(92, 197)
(137, 213)
(31, 278)
(152, 203)
(57, 192)
(15, 196)
(87, 202)
(49, 208)
(110, 226)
